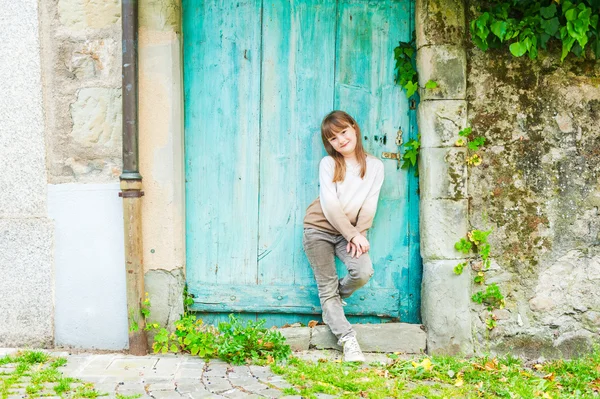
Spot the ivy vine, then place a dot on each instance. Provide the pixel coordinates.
(408, 78)
(529, 25)
(476, 243)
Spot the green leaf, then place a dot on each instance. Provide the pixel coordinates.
(571, 15)
(566, 5)
(411, 88)
(567, 45)
(431, 84)
(483, 46)
(550, 26)
(499, 29)
(466, 132)
(548, 12)
(518, 49)
(458, 269)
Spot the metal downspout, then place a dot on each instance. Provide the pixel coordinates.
(131, 181)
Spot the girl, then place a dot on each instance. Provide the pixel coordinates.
(336, 223)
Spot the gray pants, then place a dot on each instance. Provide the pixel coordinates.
(320, 248)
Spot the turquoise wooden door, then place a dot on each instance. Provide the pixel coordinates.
(259, 76)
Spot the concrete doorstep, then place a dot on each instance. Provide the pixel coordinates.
(382, 338)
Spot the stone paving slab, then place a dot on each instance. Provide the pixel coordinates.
(183, 376)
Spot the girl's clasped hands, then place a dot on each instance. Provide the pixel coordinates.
(358, 246)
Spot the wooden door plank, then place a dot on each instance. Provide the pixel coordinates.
(297, 92)
(222, 94)
(290, 299)
(367, 34)
(410, 308)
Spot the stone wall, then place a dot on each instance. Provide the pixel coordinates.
(539, 190)
(81, 53)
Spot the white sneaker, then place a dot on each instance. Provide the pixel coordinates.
(352, 352)
(343, 302)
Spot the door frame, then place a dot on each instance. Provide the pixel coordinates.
(445, 297)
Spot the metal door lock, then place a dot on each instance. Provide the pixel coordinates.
(391, 155)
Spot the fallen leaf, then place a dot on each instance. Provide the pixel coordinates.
(549, 377)
(312, 323)
(491, 365)
(364, 394)
(459, 382)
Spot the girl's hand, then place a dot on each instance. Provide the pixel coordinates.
(361, 243)
(353, 250)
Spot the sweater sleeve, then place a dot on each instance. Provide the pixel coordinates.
(367, 211)
(332, 209)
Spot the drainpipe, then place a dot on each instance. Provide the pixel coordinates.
(131, 182)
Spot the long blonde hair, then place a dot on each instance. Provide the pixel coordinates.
(333, 123)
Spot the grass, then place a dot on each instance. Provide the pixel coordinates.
(44, 377)
(136, 396)
(446, 377)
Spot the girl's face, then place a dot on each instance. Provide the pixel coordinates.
(344, 141)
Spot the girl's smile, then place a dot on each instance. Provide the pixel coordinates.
(344, 141)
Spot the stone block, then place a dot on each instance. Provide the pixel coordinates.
(27, 283)
(440, 121)
(322, 338)
(165, 288)
(443, 173)
(443, 222)
(445, 308)
(97, 115)
(85, 14)
(446, 65)
(298, 338)
(90, 59)
(388, 337)
(439, 22)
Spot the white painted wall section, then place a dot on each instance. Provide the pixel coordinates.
(90, 293)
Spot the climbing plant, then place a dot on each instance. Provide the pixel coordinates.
(408, 78)
(526, 26)
(476, 243)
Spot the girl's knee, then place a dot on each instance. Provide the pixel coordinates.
(362, 275)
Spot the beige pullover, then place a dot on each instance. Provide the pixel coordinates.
(346, 207)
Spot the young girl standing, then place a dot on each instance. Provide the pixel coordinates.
(336, 223)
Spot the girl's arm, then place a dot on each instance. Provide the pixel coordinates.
(367, 211)
(332, 209)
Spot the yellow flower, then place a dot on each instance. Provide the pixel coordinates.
(460, 143)
(426, 364)
(475, 160)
